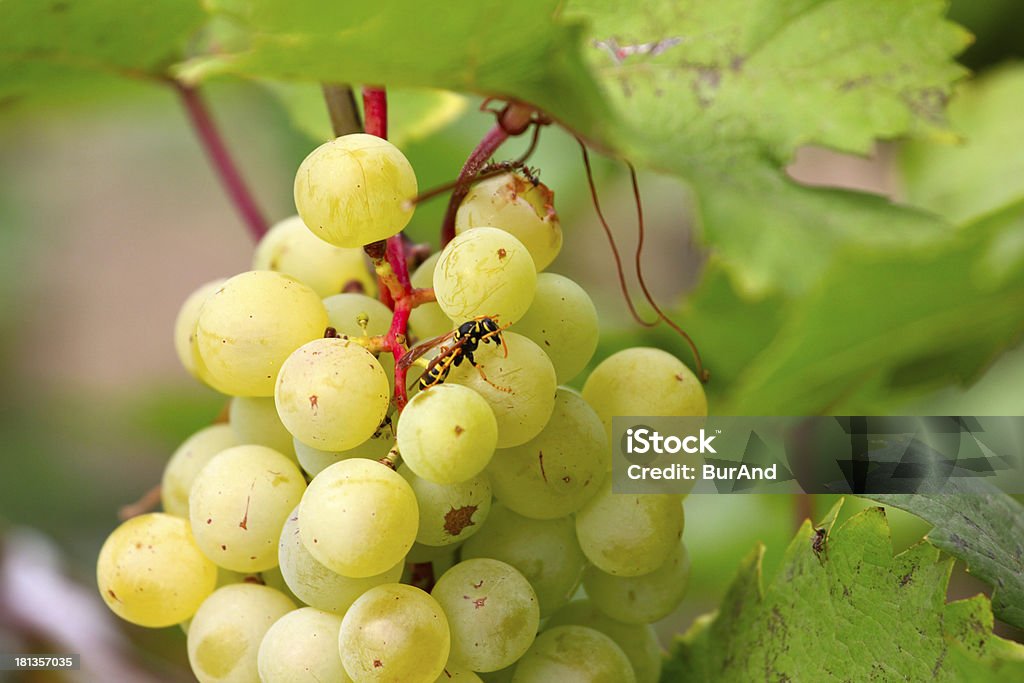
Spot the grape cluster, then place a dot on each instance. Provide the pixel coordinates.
(296, 540)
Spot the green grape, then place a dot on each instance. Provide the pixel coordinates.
(544, 551)
(638, 643)
(485, 271)
(184, 465)
(643, 381)
(315, 584)
(561, 320)
(574, 654)
(556, 472)
(238, 504)
(520, 387)
(186, 342)
(332, 394)
(359, 517)
(355, 190)
(275, 579)
(151, 572)
(345, 311)
(255, 420)
(225, 634)
(314, 460)
(428, 320)
(395, 633)
(641, 599)
(290, 248)
(629, 534)
(492, 612)
(447, 434)
(249, 326)
(302, 647)
(456, 673)
(449, 513)
(518, 206)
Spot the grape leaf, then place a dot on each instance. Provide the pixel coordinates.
(982, 526)
(892, 323)
(983, 173)
(723, 93)
(487, 47)
(842, 607)
(54, 45)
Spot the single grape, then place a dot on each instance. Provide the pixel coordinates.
(186, 343)
(574, 654)
(447, 434)
(290, 248)
(554, 473)
(628, 534)
(492, 611)
(641, 599)
(346, 311)
(151, 572)
(395, 633)
(191, 456)
(254, 420)
(225, 634)
(544, 551)
(561, 320)
(302, 647)
(519, 206)
(239, 503)
(643, 381)
(249, 326)
(359, 517)
(354, 190)
(315, 584)
(485, 271)
(332, 394)
(314, 460)
(449, 513)
(520, 387)
(638, 643)
(428, 320)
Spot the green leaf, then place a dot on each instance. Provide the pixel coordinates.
(412, 114)
(486, 47)
(958, 180)
(723, 93)
(890, 324)
(843, 608)
(982, 526)
(53, 45)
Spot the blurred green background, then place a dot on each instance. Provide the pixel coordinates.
(109, 217)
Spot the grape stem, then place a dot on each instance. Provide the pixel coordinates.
(512, 120)
(375, 111)
(217, 151)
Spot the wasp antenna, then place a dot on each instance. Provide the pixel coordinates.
(702, 372)
(611, 238)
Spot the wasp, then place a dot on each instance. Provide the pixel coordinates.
(466, 339)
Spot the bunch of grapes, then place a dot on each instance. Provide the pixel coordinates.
(301, 540)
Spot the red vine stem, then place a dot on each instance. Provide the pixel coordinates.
(375, 111)
(211, 140)
(476, 161)
(514, 119)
